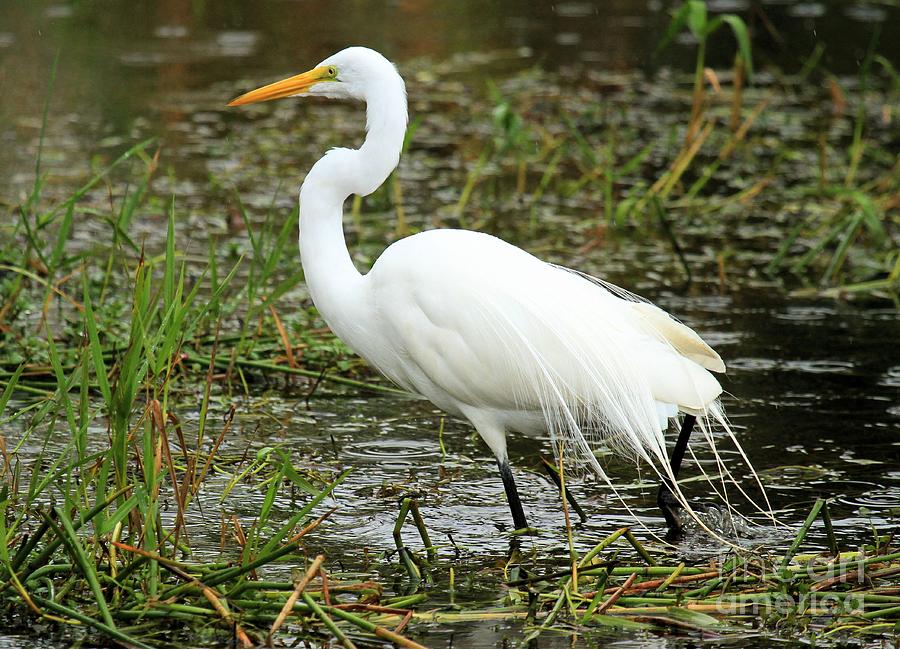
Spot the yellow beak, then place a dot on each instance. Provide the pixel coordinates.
(284, 88)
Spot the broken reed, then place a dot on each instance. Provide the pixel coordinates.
(194, 595)
(61, 573)
(830, 594)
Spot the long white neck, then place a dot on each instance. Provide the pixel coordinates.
(336, 287)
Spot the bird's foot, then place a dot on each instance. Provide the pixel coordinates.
(675, 514)
(671, 509)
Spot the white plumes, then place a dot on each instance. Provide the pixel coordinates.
(576, 356)
(500, 333)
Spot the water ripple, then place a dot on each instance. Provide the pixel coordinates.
(392, 450)
(804, 313)
(807, 10)
(823, 366)
(865, 13)
(807, 366)
(891, 378)
(887, 498)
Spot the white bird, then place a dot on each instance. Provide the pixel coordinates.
(485, 330)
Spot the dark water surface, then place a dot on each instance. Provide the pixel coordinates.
(814, 385)
(146, 67)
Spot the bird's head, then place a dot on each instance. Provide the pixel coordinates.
(349, 74)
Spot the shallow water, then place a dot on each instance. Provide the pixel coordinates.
(817, 422)
(813, 385)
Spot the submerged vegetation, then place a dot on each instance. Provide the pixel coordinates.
(130, 347)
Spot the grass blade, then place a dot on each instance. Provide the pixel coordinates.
(70, 539)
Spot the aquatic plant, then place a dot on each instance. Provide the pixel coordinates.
(693, 15)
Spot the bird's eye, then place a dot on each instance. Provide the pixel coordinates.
(332, 71)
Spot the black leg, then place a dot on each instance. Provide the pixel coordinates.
(512, 494)
(665, 498)
(551, 470)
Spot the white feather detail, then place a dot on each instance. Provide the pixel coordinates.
(682, 338)
(532, 337)
(537, 349)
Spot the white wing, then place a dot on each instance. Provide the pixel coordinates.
(682, 338)
(472, 322)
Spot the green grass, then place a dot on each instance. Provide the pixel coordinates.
(83, 540)
(82, 534)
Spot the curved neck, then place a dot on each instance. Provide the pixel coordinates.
(333, 281)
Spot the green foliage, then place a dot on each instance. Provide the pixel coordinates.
(511, 133)
(693, 15)
(100, 361)
(114, 495)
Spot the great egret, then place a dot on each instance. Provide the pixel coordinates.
(485, 330)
